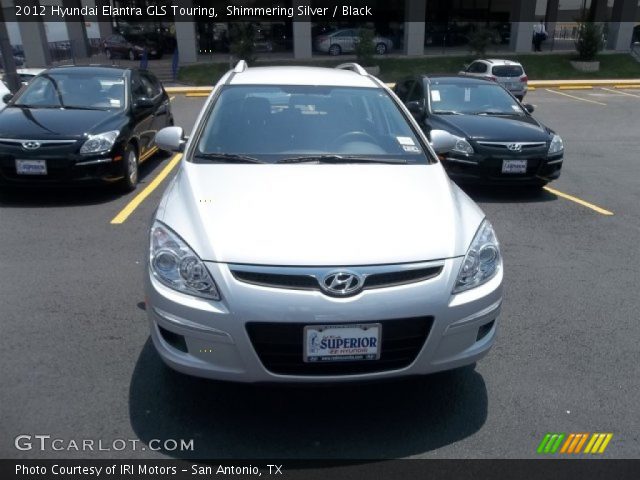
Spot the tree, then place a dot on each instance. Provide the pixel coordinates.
(365, 47)
(243, 45)
(589, 41)
(480, 40)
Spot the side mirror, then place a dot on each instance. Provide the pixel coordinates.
(417, 109)
(7, 97)
(442, 141)
(171, 139)
(143, 102)
(528, 107)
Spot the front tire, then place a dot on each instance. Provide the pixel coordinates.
(108, 53)
(132, 55)
(381, 49)
(131, 173)
(335, 50)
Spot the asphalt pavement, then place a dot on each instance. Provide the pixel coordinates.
(77, 362)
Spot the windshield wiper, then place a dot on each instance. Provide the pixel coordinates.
(227, 157)
(447, 112)
(80, 107)
(28, 105)
(339, 159)
(498, 113)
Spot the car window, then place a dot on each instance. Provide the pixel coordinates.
(507, 71)
(478, 67)
(138, 88)
(417, 93)
(276, 122)
(72, 89)
(403, 88)
(472, 98)
(150, 84)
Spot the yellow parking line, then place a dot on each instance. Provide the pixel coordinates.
(627, 86)
(575, 87)
(572, 96)
(138, 199)
(621, 93)
(197, 94)
(579, 201)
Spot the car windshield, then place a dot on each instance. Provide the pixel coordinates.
(74, 90)
(276, 123)
(473, 98)
(507, 71)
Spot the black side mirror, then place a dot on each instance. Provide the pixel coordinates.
(7, 97)
(143, 102)
(417, 109)
(528, 107)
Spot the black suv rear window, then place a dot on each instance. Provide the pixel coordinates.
(507, 71)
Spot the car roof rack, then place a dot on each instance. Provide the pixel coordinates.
(354, 67)
(240, 67)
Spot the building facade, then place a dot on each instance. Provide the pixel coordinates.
(414, 27)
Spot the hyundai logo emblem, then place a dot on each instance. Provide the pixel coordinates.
(30, 145)
(342, 283)
(515, 147)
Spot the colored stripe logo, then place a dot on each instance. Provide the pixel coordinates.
(573, 443)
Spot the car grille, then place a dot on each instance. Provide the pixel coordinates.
(309, 281)
(280, 348)
(503, 147)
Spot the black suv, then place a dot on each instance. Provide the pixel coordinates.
(498, 141)
(82, 124)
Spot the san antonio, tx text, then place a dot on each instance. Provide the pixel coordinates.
(177, 11)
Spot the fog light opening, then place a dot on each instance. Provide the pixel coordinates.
(484, 330)
(173, 339)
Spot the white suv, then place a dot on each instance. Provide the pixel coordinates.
(509, 74)
(311, 234)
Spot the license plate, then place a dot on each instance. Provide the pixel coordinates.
(31, 167)
(514, 166)
(342, 343)
(514, 86)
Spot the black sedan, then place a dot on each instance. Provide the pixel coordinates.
(131, 46)
(498, 141)
(82, 124)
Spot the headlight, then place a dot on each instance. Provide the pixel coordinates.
(556, 145)
(101, 143)
(177, 266)
(462, 146)
(482, 260)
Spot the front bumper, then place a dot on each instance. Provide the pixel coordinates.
(64, 169)
(487, 168)
(210, 339)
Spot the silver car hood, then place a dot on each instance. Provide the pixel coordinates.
(319, 215)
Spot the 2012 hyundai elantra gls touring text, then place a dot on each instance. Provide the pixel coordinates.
(310, 234)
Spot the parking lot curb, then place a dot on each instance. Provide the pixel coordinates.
(533, 84)
(197, 90)
(584, 84)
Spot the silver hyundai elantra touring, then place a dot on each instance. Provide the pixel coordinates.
(311, 235)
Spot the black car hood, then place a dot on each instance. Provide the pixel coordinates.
(52, 123)
(512, 128)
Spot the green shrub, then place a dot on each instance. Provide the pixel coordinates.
(480, 40)
(243, 46)
(589, 41)
(365, 47)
